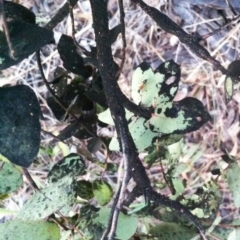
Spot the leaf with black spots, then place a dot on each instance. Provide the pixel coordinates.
(49, 200)
(71, 165)
(19, 124)
(10, 178)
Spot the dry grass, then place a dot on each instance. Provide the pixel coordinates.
(145, 42)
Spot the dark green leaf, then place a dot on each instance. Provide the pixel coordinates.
(15, 11)
(71, 58)
(26, 39)
(19, 124)
(84, 189)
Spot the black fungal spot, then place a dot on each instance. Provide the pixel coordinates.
(159, 110)
(171, 112)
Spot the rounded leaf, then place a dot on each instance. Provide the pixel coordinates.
(102, 191)
(20, 126)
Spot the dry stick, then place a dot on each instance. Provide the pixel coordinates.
(132, 164)
(219, 29)
(231, 7)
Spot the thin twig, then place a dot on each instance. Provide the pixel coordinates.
(219, 29)
(60, 15)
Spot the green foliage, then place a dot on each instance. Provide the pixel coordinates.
(160, 136)
(22, 230)
(49, 200)
(10, 178)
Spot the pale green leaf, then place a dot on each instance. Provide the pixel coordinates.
(26, 230)
(233, 179)
(10, 178)
(49, 200)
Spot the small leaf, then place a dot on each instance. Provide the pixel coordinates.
(10, 178)
(228, 89)
(126, 226)
(72, 60)
(20, 126)
(23, 230)
(49, 200)
(233, 179)
(102, 191)
(71, 165)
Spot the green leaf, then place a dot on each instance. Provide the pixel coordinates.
(233, 179)
(26, 39)
(102, 191)
(10, 178)
(20, 126)
(72, 165)
(24, 230)
(126, 226)
(49, 200)
(234, 235)
(173, 231)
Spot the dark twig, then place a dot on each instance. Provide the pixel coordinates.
(132, 164)
(60, 15)
(231, 7)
